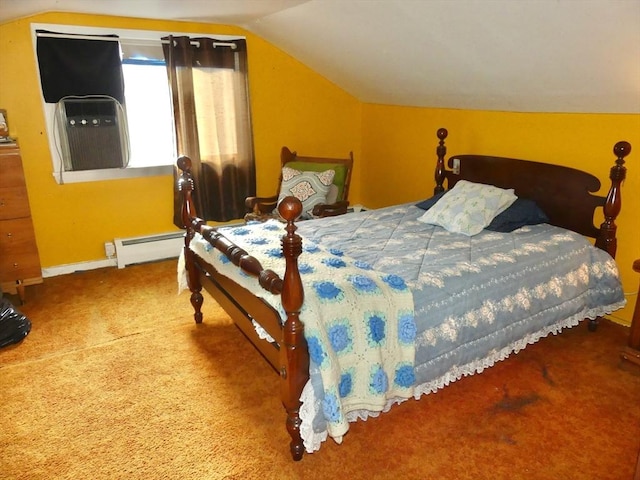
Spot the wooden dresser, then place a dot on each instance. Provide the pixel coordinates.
(19, 259)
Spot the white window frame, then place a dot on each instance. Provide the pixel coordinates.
(125, 35)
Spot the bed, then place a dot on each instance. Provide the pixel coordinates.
(360, 312)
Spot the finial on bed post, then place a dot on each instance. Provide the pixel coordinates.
(294, 355)
(190, 222)
(441, 151)
(607, 238)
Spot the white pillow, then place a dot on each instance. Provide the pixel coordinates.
(469, 207)
(310, 188)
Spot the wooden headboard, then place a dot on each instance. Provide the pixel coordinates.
(565, 194)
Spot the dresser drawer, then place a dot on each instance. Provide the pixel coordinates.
(18, 250)
(14, 203)
(11, 167)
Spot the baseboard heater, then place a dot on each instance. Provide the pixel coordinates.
(149, 248)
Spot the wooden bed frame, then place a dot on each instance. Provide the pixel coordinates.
(562, 192)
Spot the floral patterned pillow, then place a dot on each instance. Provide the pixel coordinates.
(310, 188)
(469, 207)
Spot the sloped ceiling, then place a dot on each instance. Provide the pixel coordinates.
(509, 55)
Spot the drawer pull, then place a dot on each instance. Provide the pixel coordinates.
(9, 234)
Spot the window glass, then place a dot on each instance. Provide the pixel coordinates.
(149, 116)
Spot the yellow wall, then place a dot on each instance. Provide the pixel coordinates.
(291, 105)
(399, 152)
(394, 147)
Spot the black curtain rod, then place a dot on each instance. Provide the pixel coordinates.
(114, 38)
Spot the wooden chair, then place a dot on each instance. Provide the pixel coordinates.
(264, 208)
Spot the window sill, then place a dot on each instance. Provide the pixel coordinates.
(82, 176)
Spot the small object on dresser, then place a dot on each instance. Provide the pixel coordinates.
(4, 128)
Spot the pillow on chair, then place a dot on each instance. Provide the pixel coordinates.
(311, 188)
(340, 178)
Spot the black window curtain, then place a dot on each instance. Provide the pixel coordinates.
(79, 65)
(209, 87)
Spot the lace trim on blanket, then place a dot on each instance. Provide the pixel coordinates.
(310, 404)
(182, 274)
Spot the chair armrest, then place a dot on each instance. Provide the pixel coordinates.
(261, 204)
(330, 210)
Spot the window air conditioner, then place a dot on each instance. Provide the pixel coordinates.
(92, 133)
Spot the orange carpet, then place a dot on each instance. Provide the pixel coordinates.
(115, 381)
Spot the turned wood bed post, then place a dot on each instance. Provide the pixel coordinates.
(185, 185)
(294, 354)
(441, 152)
(607, 238)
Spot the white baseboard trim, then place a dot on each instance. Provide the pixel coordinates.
(78, 267)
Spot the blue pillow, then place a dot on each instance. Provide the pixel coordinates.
(430, 202)
(521, 212)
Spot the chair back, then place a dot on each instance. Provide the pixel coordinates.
(342, 167)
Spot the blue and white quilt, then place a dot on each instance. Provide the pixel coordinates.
(475, 300)
(359, 323)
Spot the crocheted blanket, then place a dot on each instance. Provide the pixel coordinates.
(359, 323)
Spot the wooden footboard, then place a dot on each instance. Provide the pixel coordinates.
(289, 354)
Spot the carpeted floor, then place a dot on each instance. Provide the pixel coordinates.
(115, 381)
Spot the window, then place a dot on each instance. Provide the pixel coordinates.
(148, 108)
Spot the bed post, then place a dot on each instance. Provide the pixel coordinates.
(294, 354)
(185, 185)
(607, 237)
(441, 151)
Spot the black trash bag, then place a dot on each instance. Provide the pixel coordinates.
(14, 326)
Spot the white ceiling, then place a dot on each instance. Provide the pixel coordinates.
(511, 55)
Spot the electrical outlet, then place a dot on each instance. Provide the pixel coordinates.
(109, 249)
(456, 166)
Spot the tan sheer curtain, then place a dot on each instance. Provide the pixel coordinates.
(210, 91)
